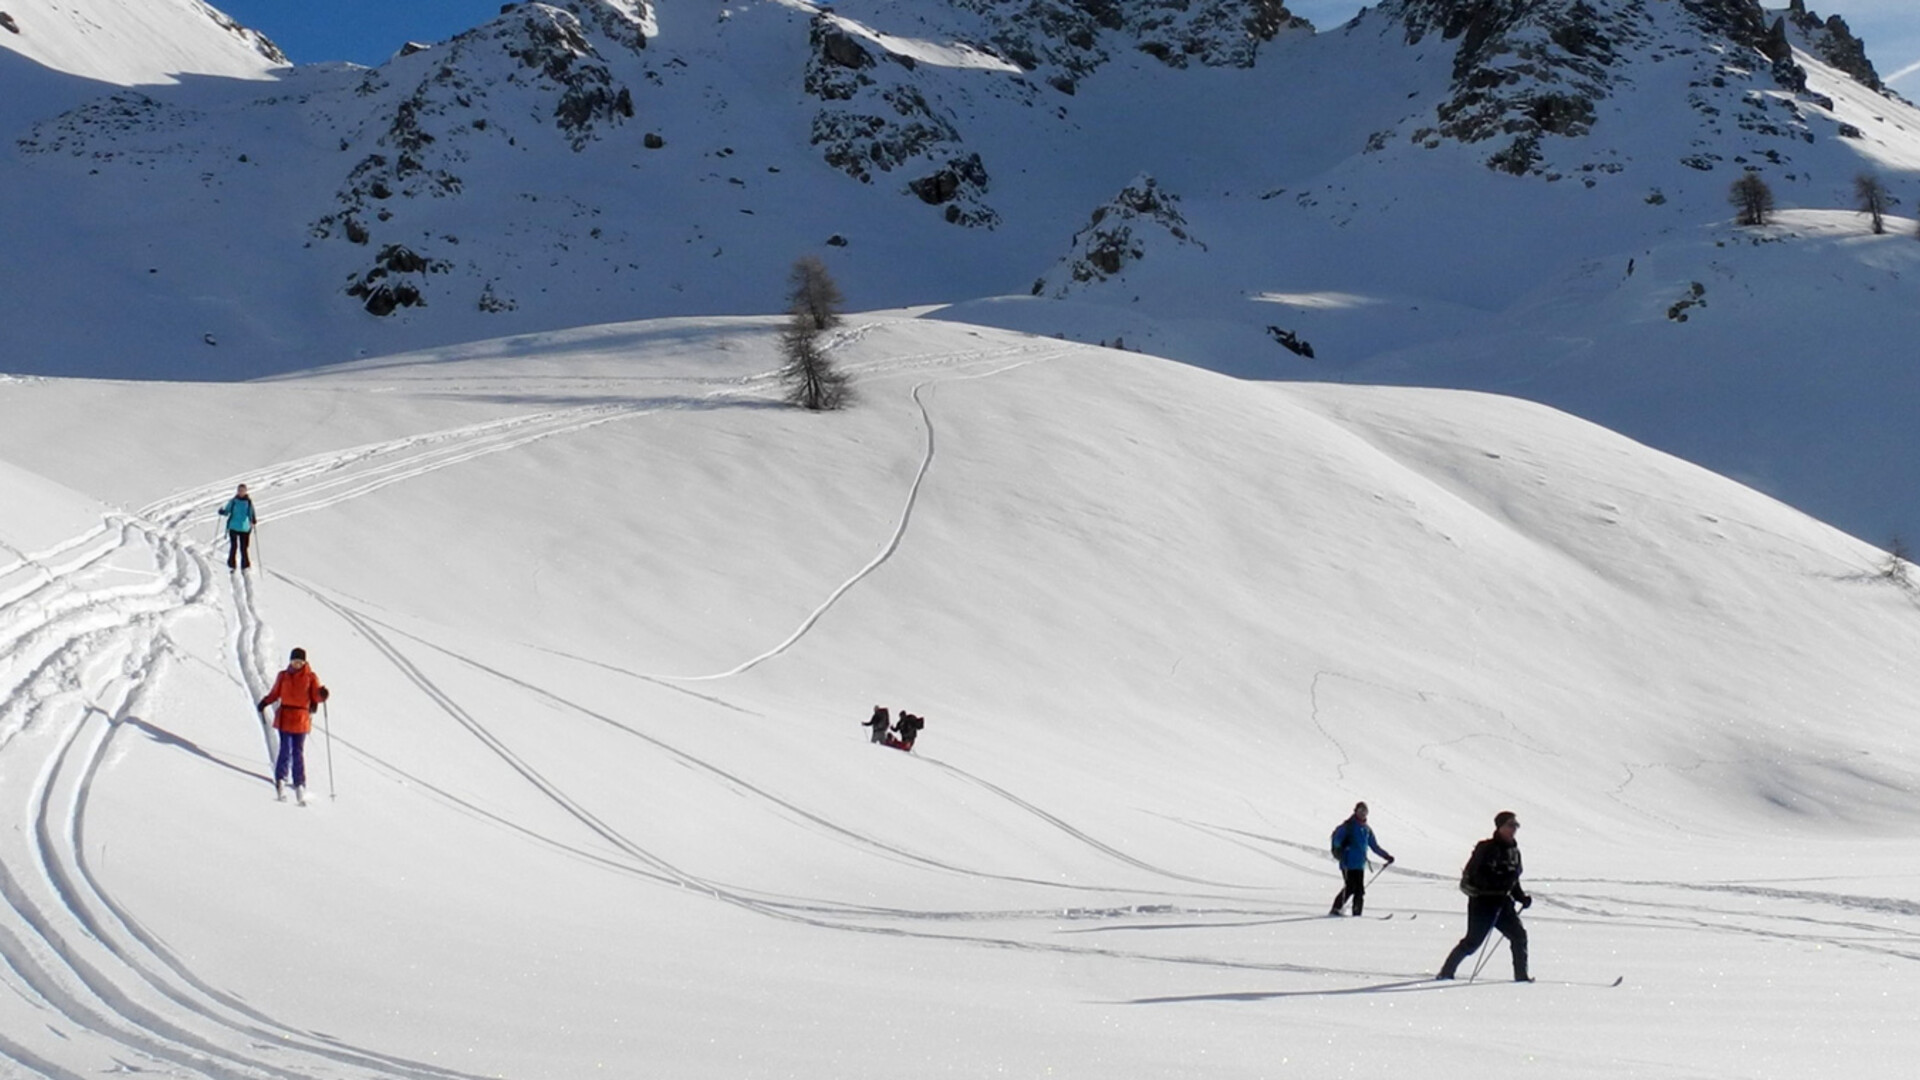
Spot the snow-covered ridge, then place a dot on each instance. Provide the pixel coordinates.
(134, 42)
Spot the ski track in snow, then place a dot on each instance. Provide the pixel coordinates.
(70, 640)
(72, 637)
(79, 652)
(1026, 355)
(84, 639)
(373, 628)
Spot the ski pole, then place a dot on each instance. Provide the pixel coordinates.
(256, 548)
(326, 725)
(1488, 954)
(1377, 873)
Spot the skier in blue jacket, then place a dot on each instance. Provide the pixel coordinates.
(240, 521)
(1351, 841)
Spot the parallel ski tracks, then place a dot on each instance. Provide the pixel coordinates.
(80, 646)
(84, 636)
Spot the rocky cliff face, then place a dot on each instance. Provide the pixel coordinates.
(1528, 72)
(1522, 69)
(1832, 40)
(883, 114)
(433, 105)
(1064, 40)
(1122, 232)
(877, 123)
(251, 38)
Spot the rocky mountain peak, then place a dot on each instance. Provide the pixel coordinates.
(1064, 40)
(1524, 71)
(437, 104)
(1523, 68)
(251, 38)
(1832, 40)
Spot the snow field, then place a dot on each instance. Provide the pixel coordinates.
(602, 622)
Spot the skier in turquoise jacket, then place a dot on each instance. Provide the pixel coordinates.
(1351, 841)
(240, 521)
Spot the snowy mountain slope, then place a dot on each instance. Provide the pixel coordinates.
(57, 56)
(1397, 188)
(602, 621)
(136, 41)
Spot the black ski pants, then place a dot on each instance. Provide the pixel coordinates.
(1356, 887)
(1484, 915)
(237, 544)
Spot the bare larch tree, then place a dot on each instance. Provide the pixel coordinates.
(1752, 198)
(815, 295)
(1871, 194)
(811, 379)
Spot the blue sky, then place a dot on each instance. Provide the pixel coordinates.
(363, 31)
(368, 31)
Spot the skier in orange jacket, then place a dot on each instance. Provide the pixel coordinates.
(299, 692)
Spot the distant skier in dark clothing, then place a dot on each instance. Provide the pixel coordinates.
(240, 521)
(1492, 884)
(880, 721)
(1352, 839)
(909, 729)
(299, 692)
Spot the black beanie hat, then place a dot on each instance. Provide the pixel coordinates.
(298, 654)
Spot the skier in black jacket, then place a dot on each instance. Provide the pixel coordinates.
(1492, 884)
(909, 729)
(880, 721)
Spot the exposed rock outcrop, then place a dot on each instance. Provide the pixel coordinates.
(1067, 39)
(254, 39)
(394, 280)
(1523, 69)
(414, 148)
(1143, 215)
(875, 119)
(1832, 40)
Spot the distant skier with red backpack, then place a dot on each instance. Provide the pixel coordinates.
(1352, 839)
(298, 691)
(909, 729)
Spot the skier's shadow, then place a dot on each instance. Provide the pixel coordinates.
(1405, 986)
(167, 738)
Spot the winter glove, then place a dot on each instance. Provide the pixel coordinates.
(1526, 902)
(1389, 860)
(322, 694)
(262, 706)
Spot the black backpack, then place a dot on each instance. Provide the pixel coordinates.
(1466, 874)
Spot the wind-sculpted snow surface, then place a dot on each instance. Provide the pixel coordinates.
(601, 618)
